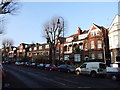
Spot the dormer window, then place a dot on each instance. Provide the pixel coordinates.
(30, 49)
(94, 33)
(35, 48)
(40, 47)
(26, 46)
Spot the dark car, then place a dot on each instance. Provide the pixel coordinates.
(41, 66)
(66, 68)
(50, 67)
(27, 64)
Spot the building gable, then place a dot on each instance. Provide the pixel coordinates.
(93, 28)
(115, 25)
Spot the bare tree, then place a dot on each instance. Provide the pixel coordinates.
(2, 23)
(6, 43)
(53, 31)
(8, 6)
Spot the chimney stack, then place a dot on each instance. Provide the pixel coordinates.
(79, 31)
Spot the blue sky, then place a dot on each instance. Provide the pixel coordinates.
(27, 25)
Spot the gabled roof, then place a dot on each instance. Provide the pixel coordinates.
(85, 31)
(115, 20)
(95, 26)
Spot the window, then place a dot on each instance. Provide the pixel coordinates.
(30, 49)
(92, 56)
(81, 47)
(40, 47)
(57, 49)
(70, 48)
(14, 48)
(92, 44)
(66, 57)
(83, 66)
(95, 33)
(35, 48)
(100, 56)
(26, 46)
(77, 57)
(46, 46)
(99, 44)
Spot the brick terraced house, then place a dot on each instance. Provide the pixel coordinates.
(39, 53)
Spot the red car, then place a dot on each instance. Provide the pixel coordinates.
(50, 67)
(33, 65)
(21, 63)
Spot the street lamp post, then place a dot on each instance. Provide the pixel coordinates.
(63, 32)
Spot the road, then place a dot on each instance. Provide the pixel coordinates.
(26, 77)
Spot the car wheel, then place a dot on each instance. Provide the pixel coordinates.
(78, 72)
(68, 71)
(93, 74)
(114, 77)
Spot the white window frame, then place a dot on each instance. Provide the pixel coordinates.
(30, 49)
(100, 56)
(35, 48)
(46, 46)
(77, 57)
(26, 46)
(66, 57)
(92, 56)
(99, 43)
(40, 47)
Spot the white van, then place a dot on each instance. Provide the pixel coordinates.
(92, 68)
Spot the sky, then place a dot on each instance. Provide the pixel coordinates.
(27, 25)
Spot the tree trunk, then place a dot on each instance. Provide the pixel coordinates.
(50, 54)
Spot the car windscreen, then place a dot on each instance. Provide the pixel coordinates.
(102, 66)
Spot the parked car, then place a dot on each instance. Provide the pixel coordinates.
(41, 66)
(66, 68)
(27, 64)
(17, 63)
(50, 67)
(22, 64)
(33, 65)
(4, 77)
(92, 68)
(113, 73)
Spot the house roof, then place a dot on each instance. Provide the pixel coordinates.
(73, 35)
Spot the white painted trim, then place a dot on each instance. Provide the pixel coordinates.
(91, 28)
(67, 44)
(78, 42)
